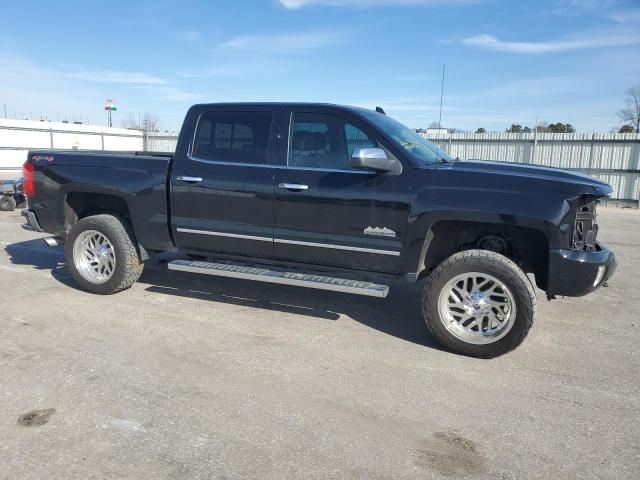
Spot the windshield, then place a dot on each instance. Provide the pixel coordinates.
(415, 145)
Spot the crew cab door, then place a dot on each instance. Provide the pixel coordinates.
(329, 213)
(222, 183)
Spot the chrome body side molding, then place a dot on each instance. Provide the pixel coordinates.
(291, 242)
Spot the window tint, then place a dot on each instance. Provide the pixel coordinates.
(324, 141)
(233, 136)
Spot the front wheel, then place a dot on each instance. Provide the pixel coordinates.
(101, 254)
(478, 303)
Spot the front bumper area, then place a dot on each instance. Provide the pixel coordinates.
(574, 273)
(32, 220)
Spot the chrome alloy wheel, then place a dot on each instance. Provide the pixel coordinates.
(94, 257)
(477, 308)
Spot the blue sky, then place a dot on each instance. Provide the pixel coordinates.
(507, 61)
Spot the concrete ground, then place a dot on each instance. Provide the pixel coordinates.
(188, 377)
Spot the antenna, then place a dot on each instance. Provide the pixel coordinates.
(380, 110)
(441, 96)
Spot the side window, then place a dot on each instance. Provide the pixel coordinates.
(318, 140)
(356, 139)
(241, 137)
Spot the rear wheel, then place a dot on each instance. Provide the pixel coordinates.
(478, 303)
(7, 203)
(101, 254)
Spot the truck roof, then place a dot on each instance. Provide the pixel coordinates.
(286, 104)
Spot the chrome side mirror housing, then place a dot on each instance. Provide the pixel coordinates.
(375, 159)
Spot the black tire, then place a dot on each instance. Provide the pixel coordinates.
(505, 271)
(7, 203)
(128, 265)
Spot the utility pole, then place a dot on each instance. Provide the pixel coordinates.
(5, 110)
(441, 96)
(535, 142)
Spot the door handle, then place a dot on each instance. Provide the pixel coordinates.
(186, 178)
(293, 186)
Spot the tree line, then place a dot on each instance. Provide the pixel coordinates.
(543, 127)
(629, 115)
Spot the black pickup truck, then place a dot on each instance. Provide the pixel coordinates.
(335, 198)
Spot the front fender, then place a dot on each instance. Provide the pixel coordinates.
(448, 196)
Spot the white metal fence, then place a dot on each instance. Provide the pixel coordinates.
(611, 157)
(18, 136)
(161, 142)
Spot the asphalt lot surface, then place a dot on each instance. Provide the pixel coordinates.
(189, 377)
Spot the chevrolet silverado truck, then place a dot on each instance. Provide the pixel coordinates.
(335, 198)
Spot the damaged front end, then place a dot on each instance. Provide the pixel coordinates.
(587, 264)
(585, 228)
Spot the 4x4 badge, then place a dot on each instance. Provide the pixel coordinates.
(379, 232)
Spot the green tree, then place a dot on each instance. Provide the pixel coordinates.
(627, 129)
(515, 128)
(561, 128)
(481, 130)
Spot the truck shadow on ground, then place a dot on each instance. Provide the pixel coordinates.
(397, 315)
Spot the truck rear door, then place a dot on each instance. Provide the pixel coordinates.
(222, 184)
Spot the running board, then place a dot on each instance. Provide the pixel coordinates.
(282, 277)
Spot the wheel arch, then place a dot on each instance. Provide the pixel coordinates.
(82, 204)
(527, 246)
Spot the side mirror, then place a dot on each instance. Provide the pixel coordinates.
(374, 159)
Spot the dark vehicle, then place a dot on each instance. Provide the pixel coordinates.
(11, 194)
(335, 198)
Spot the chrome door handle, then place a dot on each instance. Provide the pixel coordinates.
(186, 178)
(293, 186)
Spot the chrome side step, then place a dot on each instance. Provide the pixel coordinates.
(260, 274)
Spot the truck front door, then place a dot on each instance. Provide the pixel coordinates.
(222, 184)
(327, 212)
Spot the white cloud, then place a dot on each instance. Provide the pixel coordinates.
(32, 90)
(631, 15)
(489, 42)
(283, 43)
(297, 4)
(112, 76)
(585, 4)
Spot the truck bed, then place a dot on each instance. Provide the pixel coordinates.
(139, 179)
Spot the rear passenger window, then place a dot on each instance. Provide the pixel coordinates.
(240, 137)
(324, 141)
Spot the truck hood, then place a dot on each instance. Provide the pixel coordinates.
(517, 171)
